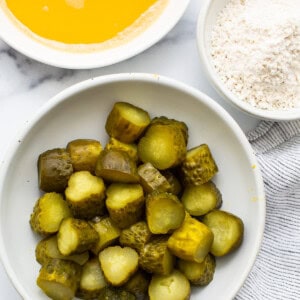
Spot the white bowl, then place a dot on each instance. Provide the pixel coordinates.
(80, 112)
(206, 20)
(32, 48)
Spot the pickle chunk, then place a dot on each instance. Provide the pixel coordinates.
(125, 203)
(130, 149)
(117, 166)
(155, 256)
(48, 212)
(108, 233)
(54, 170)
(113, 293)
(118, 264)
(174, 286)
(59, 279)
(164, 212)
(85, 195)
(164, 146)
(84, 154)
(152, 180)
(75, 236)
(138, 285)
(200, 274)
(200, 199)
(228, 231)
(199, 165)
(92, 280)
(191, 241)
(47, 249)
(126, 122)
(136, 236)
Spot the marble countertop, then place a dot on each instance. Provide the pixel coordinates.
(25, 85)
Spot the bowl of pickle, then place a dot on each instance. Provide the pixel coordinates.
(130, 186)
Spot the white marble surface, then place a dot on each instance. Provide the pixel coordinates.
(25, 85)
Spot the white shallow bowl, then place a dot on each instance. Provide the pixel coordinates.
(206, 20)
(80, 112)
(34, 49)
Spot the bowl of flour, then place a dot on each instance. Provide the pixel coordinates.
(250, 50)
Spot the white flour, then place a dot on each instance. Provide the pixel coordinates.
(256, 50)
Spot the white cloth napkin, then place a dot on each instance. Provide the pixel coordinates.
(276, 272)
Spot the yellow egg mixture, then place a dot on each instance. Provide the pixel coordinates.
(83, 21)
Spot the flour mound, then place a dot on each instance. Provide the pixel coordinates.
(255, 46)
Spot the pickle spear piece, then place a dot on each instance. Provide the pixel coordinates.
(130, 149)
(138, 285)
(85, 195)
(174, 286)
(199, 274)
(116, 166)
(75, 236)
(164, 146)
(84, 154)
(59, 279)
(126, 122)
(155, 256)
(135, 236)
(198, 200)
(47, 249)
(125, 203)
(175, 185)
(191, 241)
(151, 179)
(118, 264)
(108, 233)
(164, 212)
(54, 170)
(199, 165)
(228, 230)
(48, 212)
(92, 280)
(113, 293)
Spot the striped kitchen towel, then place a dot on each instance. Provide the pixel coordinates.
(276, 272)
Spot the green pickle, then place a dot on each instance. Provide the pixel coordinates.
(59, 279)
(54, 170)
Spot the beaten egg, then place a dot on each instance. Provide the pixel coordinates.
(78, 21)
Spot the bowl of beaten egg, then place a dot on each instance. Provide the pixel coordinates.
(81, 34)
(66, 117)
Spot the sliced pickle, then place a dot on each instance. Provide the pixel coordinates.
(164, 212)
(47, 249)
(164, 146)
(191, 241)
(92, 280)
(54, 170)
(199, 274)
(138, 285)
(84, 154)
(85, 195)
(117, 166)
(48, 212)
(126, 122)
(151, 179)
(198, 200)
(118, 264)
(135, 236)
(125, 203)
(130, 149)
(199, 165)
(75, 236)
(108, 233)
(174, 286)
(155, 256)
(113, 293)
(59, 279)
(228, 231)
